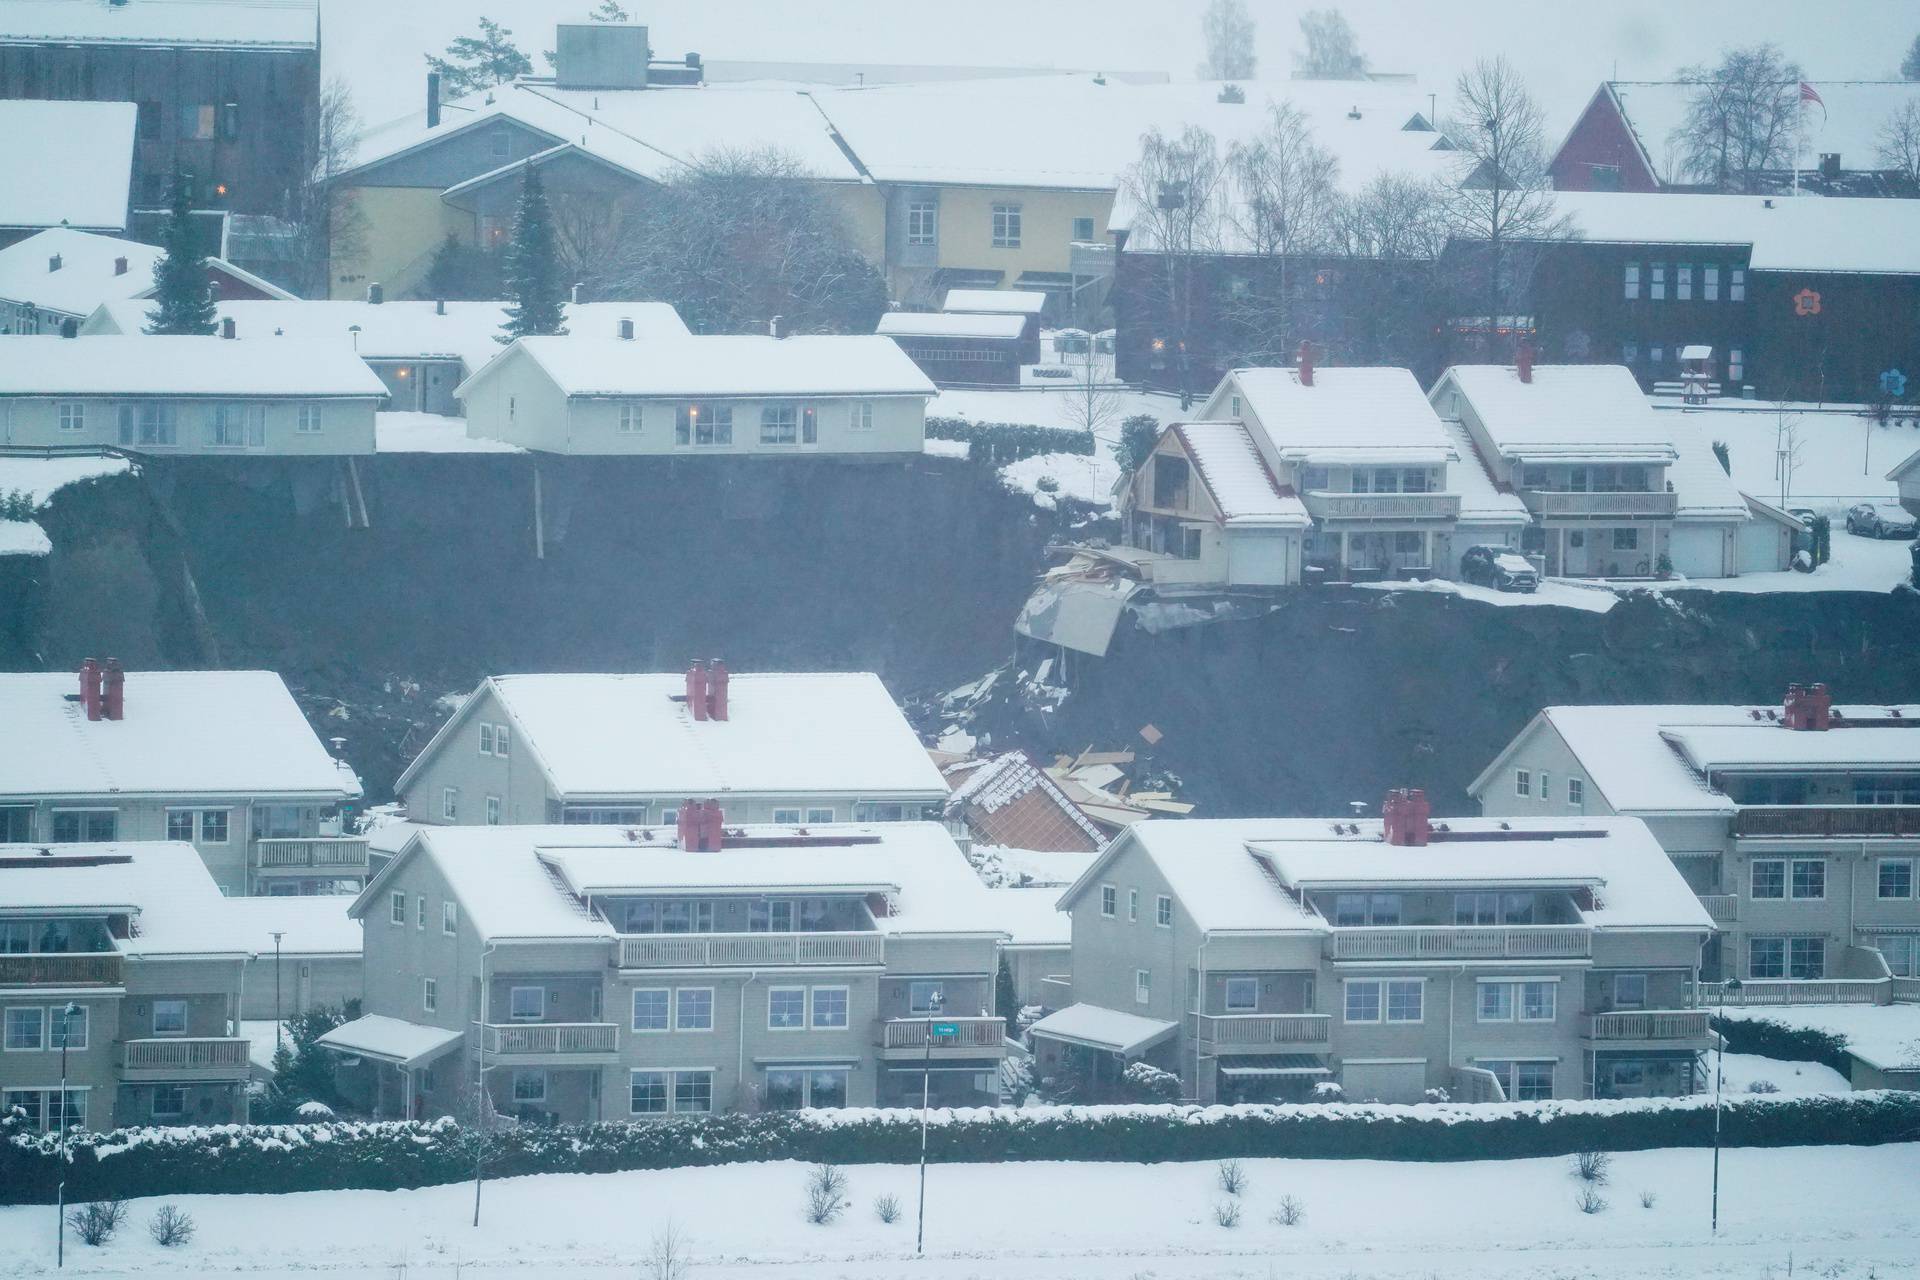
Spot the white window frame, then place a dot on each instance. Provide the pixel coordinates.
(1792, 944)
(1133, 906)
(1753, 880)
(788, 990)
(1879, 881)
(680, 1023)
(923, 222)
(633, 1011)
(934, 1002)
(56, 1013)
(1384, 991)
(486, 738)
(1006, 226)
(673, 1098)
(787, 816)
(397, 908)
(813, 1009)
(39, 1013)
(1163, 911)
(1546, 787)
(306, 419)
(1620, 1001)
(1110, 901)
(200, 824)
(1523, 782)
(420, 911)
(492, 810)
(1793, 867)
(526, 1073)
(780, 425)
(820, 814)
(1249, 1005)
(1753, 969)
(860, 415)
(430, 995)
(539, 995)
(449, 917)
(1143, 986)
(666, 1091)
(631, 418)
(73, 415)
(169, 1091)
(450, 803)
(1577, 792)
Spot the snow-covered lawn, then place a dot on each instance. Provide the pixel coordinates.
(41, 478)
(23, 538)
(430, 433)
(1842, 457)
(1857, 564)
(1053, 406)
(1744, 1070)
(1088, 477)
(1829, 1205)
(1594, 599)
(1886, 1035)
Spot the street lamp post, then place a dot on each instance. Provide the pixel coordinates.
(67, 1015)
(926, 1093)
(1719, 1074)
(278, 1024)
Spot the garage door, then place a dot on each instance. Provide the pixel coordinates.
(1398, 1080)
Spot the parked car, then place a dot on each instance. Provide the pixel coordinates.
(1880, 520)
(1498, 567)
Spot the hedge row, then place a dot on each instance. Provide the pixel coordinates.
(1759, 1035)
(997, 442)
(387, 1156)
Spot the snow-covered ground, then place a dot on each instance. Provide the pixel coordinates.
(1858, 564)
(1054, 406)
(1088, 477)
(1568, 595)
(41, 478)
(1744, 1070)
(1887, 1035)
(430, 433)
(1836, 1211)
(1840, 456)
(23, 538)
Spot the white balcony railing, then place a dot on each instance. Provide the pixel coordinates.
(556, 1038)
(1462, 942)
(1797, 991)
(199, 1054)
(1649, 1024)
(729, 950)
(1261, 1029)
(1551, 504)
(1324, 505)
(975, 1033)
(300, 853)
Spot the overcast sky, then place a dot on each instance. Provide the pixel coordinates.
(1563, 47)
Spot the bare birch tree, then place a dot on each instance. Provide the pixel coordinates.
(1174, 191)
(1227, 29)
(1743, 117)
(1899, 142)
(325, 223)
(1281, 203)
(1332, 52)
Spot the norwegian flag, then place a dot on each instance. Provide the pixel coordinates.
(1810, 94)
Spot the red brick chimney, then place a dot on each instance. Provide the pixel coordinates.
(697, 691)
(115, 690)
(1305, 363)
(1408, 817)
(1808, 706)
(90, 688)
(701, 826)
(1523, 362)
(119, 266)
(717, 690)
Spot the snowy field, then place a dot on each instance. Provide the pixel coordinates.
(1841, 458)
(1828, 1211)
(1858, 564)
(430, 433)
(1887, 1035)
(41, 478)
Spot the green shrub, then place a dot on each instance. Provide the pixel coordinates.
(1777, 1040)
(1000, 442)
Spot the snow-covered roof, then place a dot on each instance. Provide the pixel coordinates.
(1849, 126)
(1023, 302)
(1829, 233)
(1127, 1034)
(1886, 1036)
(1582, 409)
(1242, 485)
(1482, 500)
(726, 365)
(1765, 745)
(66, 162)
(375, 1035)
(951, 324)
(87, 275)
(138, 365)
(1032, 916)
(785, 734)
(315, 925)
(1359, 414)
(211, 733)
(274, 24)
(1905, 466)
(1702, 488)
(1234, 874)
(163, 885)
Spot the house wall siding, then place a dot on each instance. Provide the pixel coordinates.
(346, 425)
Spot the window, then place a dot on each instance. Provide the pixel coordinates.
(430, 995)
(527, 1004)
(486, 739)
(73, 416)
(1767, 879)
(1243, 994)
(500, 739)
(1576, 792)
(1710, 283)
(169, 1101)
(529, 1085)
(170, 1017)
(1083, 229)
(1163, 911)
(1523, 1081)
(829, 1008)
(693, 1009)
(1522, 782)
(180, 824)
(420, 911)
(235, 426)
(1683, 282)
(809, 426)
(786, 1008)
(213, 826)
(692, 1091)
(779, 424)
(306, 419)
(1896, 877)
(196, 121)
(1170, 477)
(1496, 1002)
(926, 997)
(815, 816)
(1133, 906)
(1142, 986)
(786, 817)
(629, 418)
(1358, 909)
(650, 1009)
(1626, 539)
(1902, 952)
(16, 825)
(1766, 957)
(1385, 999)
(1657, 285)
(1109, 901)
(1546, 786)
(1006, 226)
(1363, 1002)
(770, 916)
(450, 803)
(647, 1093)
(92, 826)
(397, 908)
(1476, 908)
(149, 423)
(1736, 284)
(923, 222)
(1315, 479)
(1537, 1001)
(500, 144)
(703, 424)
(1630, 353)
(493, 811)
(1603, 177)
(1808, 879)
(860, 415)
(1806, 958)
(449, 917)
(26, 1028)
(1629, 990)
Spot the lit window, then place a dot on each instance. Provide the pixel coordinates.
(703, 424)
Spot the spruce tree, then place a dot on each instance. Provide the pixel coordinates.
(532, 266)
(180, 290)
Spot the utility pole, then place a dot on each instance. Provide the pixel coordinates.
(67, 1015)
(1719, 1074)
(279, 1024)
(926, 1091)
(483, 1107)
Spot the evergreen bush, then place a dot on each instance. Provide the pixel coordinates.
(998, 442)
(1768, 1039)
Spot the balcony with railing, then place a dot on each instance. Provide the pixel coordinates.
(305, 855)
(748, 950)
(1764, 991)
(1827, 821)
(1326, 505)
(1462, 942)
(554, 1043)
(975, 1037)
(1262, 1032)
(1723, 907)
(1650, 1025)
(61, 969)
(173, 1058)
(1551, 504)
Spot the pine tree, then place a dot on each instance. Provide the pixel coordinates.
(1910, 65)
(532, 266)
(1007, 998)
(185, 302)
(480, 62)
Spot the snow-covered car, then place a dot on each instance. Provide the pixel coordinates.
(1805, 515)
(1499, 568)
(1880, 520)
